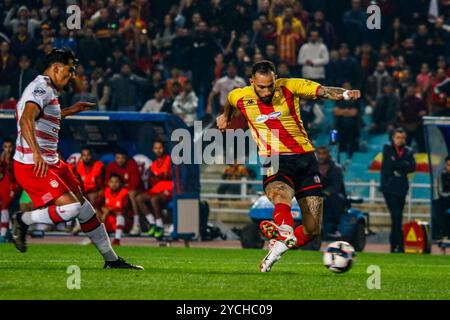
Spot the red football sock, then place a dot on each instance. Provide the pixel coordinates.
(282, 214)
(302, 239)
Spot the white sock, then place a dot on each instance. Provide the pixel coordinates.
(98, 235)
(52, 214)
(4, 222)
(120, 223)
(159, 222)
(150, 218)
(136, 220)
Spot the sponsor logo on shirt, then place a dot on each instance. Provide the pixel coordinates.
(38, 92)
(264, 117)
(316, 179)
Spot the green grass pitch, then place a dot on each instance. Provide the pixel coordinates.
(193, 273)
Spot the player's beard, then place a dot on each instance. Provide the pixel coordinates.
(266, 100)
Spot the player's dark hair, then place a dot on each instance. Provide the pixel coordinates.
(398, 130)
(59, 56)
(121, 151)
(10, 140)
(86, 148)
(263, 67)
(115, 175)
(158, 140)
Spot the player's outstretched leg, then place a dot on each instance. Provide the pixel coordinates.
(96, 231)
(49, 215)
(280, 231)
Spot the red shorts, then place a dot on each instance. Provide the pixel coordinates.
(6, 193)
(59, 180)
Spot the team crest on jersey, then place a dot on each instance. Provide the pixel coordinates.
(54, 183)
(38, 92)
(316, 179)
(249, 102)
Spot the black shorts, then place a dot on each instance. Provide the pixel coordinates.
(300, 172)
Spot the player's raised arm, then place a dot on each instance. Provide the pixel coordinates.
(334, 93)
(28, 131)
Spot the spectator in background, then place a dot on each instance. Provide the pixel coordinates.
(115, 62)
(91, 173)
(160, 190)
(412, 109)
(234, 172)
(222, 87)
(128, 170)
(384, 115)
(354, 21)
(22, 43)
(283, 70)
(325, 30)
(23, 17)
(22, 77)
(443, 203)
(312, 116)
(257, 39)
(85, 94)
(423, 79)
(396, 34)
(55, 19)
(313, 56)
(438, 97)
(155, 104)
(287, 43)
(398, 162)
(175, 76)
(113, 207)
(347, 68)
(288, 15)
(125, 88)
(89, 50)
(376, 82)
(347, 122)
(186, 104)
(332, 178)
(271, 54)
(100, 89)
(45, 38)
(65, 39)
(8, 64)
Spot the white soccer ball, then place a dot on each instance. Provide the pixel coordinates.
(339, 256)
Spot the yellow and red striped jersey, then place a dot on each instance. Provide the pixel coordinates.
(277, 126)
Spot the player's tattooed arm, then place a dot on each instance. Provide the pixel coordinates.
(334, 93)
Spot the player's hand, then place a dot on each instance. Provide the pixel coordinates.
(352, 95)
(221, 122)
(40, 166)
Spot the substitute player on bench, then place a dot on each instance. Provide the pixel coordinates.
(271, 108)
(47, 179)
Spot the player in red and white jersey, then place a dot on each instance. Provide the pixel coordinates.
(45, 177)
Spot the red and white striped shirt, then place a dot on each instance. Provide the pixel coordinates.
(42, 93)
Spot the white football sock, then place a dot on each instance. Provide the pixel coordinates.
(96, 231)
(150, 218)
(136, 220)
(4, 222)
(120, 223)
(52, 214)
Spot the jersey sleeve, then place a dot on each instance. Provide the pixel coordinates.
(39, 95)
(303, 88)
(234, 96)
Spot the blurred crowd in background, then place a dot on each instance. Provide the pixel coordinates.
(184, 56)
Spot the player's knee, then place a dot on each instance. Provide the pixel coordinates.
(313, 230)
(69, 211)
